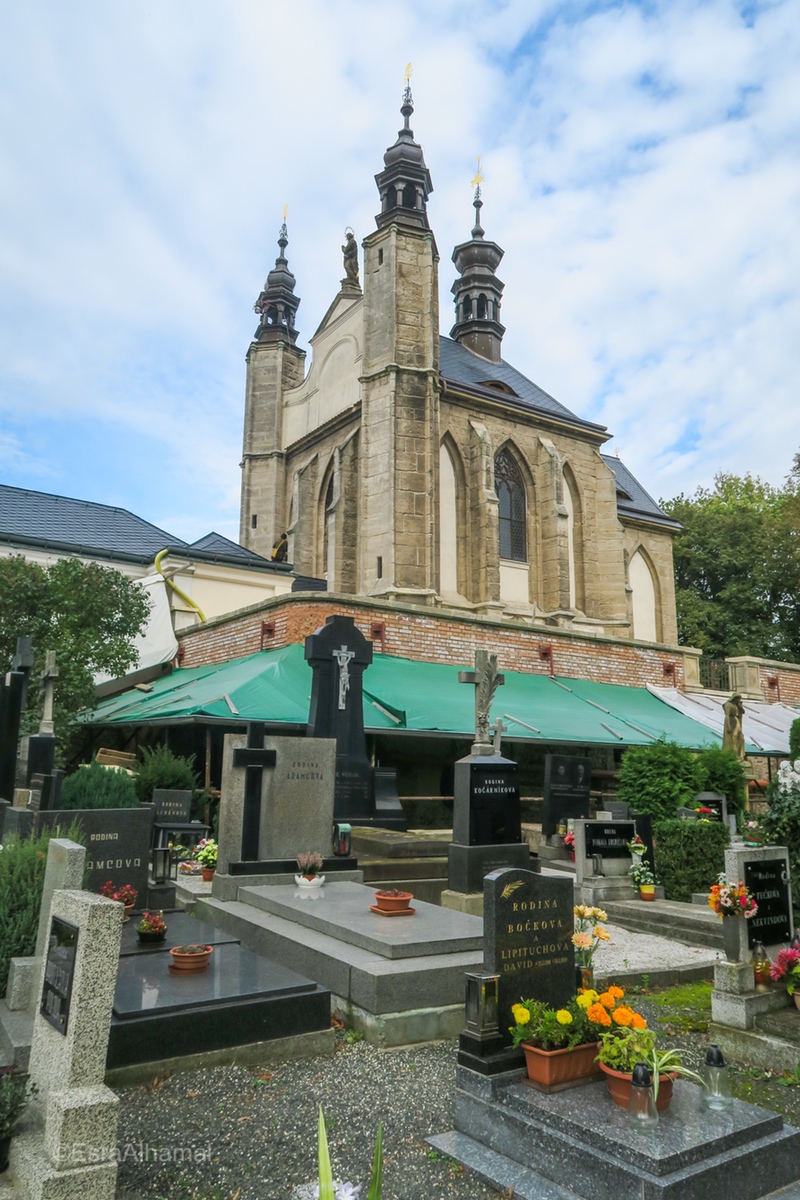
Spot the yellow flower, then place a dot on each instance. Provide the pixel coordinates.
(601, 932)
(598, 914)
(585, 1000)
(563, 1017)
(520, 1014)
(583, 941)
(616, 992)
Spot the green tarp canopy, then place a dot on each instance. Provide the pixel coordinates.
(407, 696)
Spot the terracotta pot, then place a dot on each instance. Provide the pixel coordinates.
(191, 964)
(552, 1067)
(208, 874)
(149, 937)
(128, 911)
(5, 1151)
(647, 891)
(619, 1087)
(796, 998)
(393, 903)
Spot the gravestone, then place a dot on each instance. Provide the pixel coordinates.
(528, 924)
(66, 1143)
(117, 842)
(338, 654)
(716, 802)
(12, 690)
(768, 880)
(609, 839)
(602, 860)
(567, 786)
(172, 804)
(487, 831)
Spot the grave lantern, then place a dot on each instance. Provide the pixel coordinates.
(482, 1005)
(341, 839)
(165, 865)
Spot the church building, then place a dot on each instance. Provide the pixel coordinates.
(419, 469)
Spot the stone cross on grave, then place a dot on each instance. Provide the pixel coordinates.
(497, 730)
(254, 758)
(486, 680)
(48, 679)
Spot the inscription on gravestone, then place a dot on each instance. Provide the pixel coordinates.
(58, 973)
(528, 927)
(768, 882)
(567, 784)
(117, 842)
(172, 804)
(608, 838)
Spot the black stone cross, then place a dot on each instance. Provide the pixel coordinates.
(254, 758)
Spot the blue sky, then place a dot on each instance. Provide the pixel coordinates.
(641, 167)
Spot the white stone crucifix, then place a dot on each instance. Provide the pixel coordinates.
(343, 656)
(48, 681)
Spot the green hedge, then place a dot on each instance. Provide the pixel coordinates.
(161, 768)
(782, 826)
(659, 779)
(97, 786)
(689, 856)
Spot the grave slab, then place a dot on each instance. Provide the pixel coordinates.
(181, 929)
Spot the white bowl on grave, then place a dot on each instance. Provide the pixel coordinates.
(309, 885)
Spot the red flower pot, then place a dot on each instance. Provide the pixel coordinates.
(387, 902)
(208, 874)
(553, 1068)
(191, 963)
(619, 1087)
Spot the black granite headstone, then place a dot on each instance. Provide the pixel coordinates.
(172, 804)
(716, 802)
(768, 882)
(528, 924)
(117, 842)
(37, 755)
(58, 973)
(338, 654)
(12, 690)
(608, 838)
(487, 834)
(4, 806)
(567, 784)
(19, 822)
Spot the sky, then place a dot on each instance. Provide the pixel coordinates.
(641, 166)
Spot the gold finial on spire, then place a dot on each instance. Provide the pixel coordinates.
(479, 176)
(408, 73)
(285, 213)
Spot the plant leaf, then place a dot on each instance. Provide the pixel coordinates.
(325, 1176)
(376, 1182)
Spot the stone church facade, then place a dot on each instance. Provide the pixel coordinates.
(410, 467)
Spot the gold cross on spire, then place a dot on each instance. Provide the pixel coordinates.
(408, 73)
(285, 213)
(479, 176)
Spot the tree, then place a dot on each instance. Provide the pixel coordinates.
(87, 613)
(737, 567)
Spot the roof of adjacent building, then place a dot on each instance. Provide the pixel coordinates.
(460, 365)
(632, 499)
(66, 525)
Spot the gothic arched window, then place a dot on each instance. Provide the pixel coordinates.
(511, 494)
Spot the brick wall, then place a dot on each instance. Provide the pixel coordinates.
(432, 636)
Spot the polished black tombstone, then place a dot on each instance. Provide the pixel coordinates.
(567, 784)
(768, 881)
(117, 842)
(487, 833)
(12, 696)
(338, 654)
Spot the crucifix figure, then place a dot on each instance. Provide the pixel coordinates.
(343, 656)
(486, 680)
(254, 758)
(497, 730)
(48, 679)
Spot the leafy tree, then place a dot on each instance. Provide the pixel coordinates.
(737, 567)
(794, 740)
(87, 613)
(721, 771)
(659, 779)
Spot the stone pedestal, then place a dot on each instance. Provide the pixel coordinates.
(735, 1000)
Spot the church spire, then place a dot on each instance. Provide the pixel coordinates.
(277, 302)
(478, 291)
(404, 183)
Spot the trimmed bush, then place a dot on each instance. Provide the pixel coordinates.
(659, 779)
(794, 740)
(782, 827)
(689, 856)
(162, 769)
(722, 771)
(22, 868)
(97, 786)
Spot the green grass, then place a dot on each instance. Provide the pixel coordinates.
(686, 995)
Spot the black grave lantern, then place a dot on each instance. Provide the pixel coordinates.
(165, 864)
(342, 834)
(482, 1005)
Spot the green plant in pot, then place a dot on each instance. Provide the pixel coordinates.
(14, 1099)
(622, 1049)
(207, 853)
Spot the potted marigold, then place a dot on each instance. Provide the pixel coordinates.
(560, 1044)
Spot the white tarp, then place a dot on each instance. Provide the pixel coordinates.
(765, 725)
(156, 643)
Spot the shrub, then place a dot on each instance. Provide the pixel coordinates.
(97, 786)
(22, 868)
(781, 823)
(161, 768)
(722, 771)
(689, 856)
(658, 779)
(794, 740)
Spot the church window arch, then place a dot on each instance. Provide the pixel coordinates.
(644, 597)
(448, 521)
(510, 490)
(391, 197)
(409, 196)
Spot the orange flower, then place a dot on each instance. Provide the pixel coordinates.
(608, 1000)
(622, 1015)
(598, 1015)
(638, 1021)
(615, 991)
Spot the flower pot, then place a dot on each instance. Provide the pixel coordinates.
(554, 1068)
(619, 1087)
(5, 1153)
(128, 911)
(796, 998)
(149, 937)
(731, 939)
(309, 881)
(571, 854)
(190, 964)
(208, 874)
(398, 903)
(647, 891)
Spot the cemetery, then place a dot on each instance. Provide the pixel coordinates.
(514, 959)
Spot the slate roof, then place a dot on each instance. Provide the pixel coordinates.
(60, 523)
(632, 499)
(460, 365)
